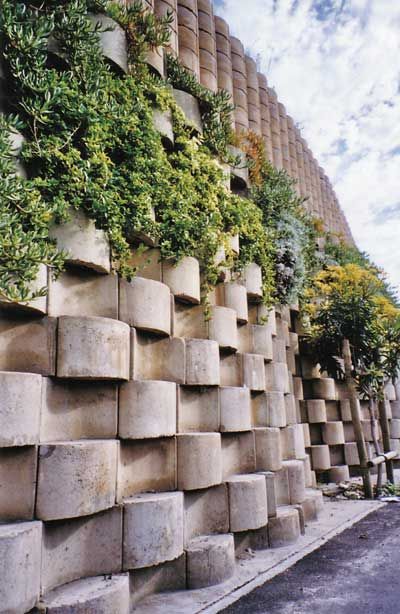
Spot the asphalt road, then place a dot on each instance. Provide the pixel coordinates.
(357, 572)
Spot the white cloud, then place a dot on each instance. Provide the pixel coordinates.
(334, 64)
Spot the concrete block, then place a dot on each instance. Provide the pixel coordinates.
(279, 349)
(262, 341)
(238, 453)
(198, 409)
(296, 479)
(324, 388)
(348, 429)
(146, 305)
(190, 107)
(37, 306)
(252, 277)
(235, 297)
(231, 370)
(83, 293)
(306, 435)
(20, 546)
(321, 460)
(153, 529)
(333, 411)
(112, 41)
(222, 328)
(146, 465)
(291, 410)
(147, 409)
(210, 560)
(267, 316)
(269, 409)
(162, 121)
(395, 408)
(282, 486)
(316, 411)
(337, 455)
(298, 388)
(284, 528)
(92, 348)
(183, 279)
(81, 547)
(235, 410)
(147, 263)
(306, 460)
(199, 460)
(333, 434)
(339, 473)
(206, 512)
(253, 372)
(18, 468)
(99, 595)
(169, 576)
(351, 453)
(395, 428)
(247, 502)
(76, 478)
(291, 361)
(277, 377)
(20, 395)
(28, 345)
(86, 245)
(271, 493)
(293, 442)
(268, 449)
(202, 363)
(294, 343)
(390, 392)
(157, 359)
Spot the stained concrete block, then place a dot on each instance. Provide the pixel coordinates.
(18, 468)
(252, 277)
(279, 349)
(269, 409)
(222, 328)
(238, 453)
(153, 529)
(206, 512)
(253, 372)
(348, 429)
(146, 305)
(262, 341)
(202, 363)
(293, 442)
(247, 502)
(81, 547)
(37, 306)
(235, 409)
(93, 348)
(339, 473)
(235, 297)
(86, 245)
(76, 478)
(157, 359)
(284, 528)
(316, 411)
(296, 479)
(169, 576)
(268, 449)
(324, 388)
(100, 595)
(20, 554)
(199, 460)
(28, 345)
(277, 377)
(231, 370)
(20, 404)
(83, 293)
(147, 409)
(321, 460)
(351, 453)
(146, 465)
(183, 279)
(210, 560)
(198, 409)
(332, 433)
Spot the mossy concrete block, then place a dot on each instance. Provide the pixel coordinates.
(199, 460)
(210, 560)
(146, 305)
(20, 407)
(20, 554)
(146, 465)
(153, 529)
(81, 547)
(18, 468)
(253, 282)
(93, 348)
(76, 478)
(247, 502)
(28, 345)
(100, 595)
(147, 409)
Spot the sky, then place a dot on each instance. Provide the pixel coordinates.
(335, 65)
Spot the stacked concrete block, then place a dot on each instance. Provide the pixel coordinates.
(240, 97)
(224, 61)
(188, 35)
(275, 129)
(207, 46)
(253, 96)
(265, 115)
(161, 9)
(283, 123)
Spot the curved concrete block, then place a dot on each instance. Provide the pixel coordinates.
(210, 560)
(190, 108)
(112, 42)
(153, 529)
(395, 428)
(93, 348)
(145, 304)
(183, 279)
(223, 329)
(284, 528)
(277, 377)
(333, 433)
(235, 297)
(206, 512)
(262, 341)
(28, 345)
(199, 460)
(293, 442)
(86, 245)
(296, 479)
(253, 372)
(202, 363)
(268, 449)
(20, 554)
(321, 460)
(235, 409)
(198, 409)
(18, 469)
(269, 409)
(76, 478)
(20, 405)
(339, 473)
(162, 122)
(316, 411)
(100, 595)
(37, 305)
(252, 276)
(147, 409)
(248, 508)
(324, 388)
(157, 359)
(83, 293)
(238, 453)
